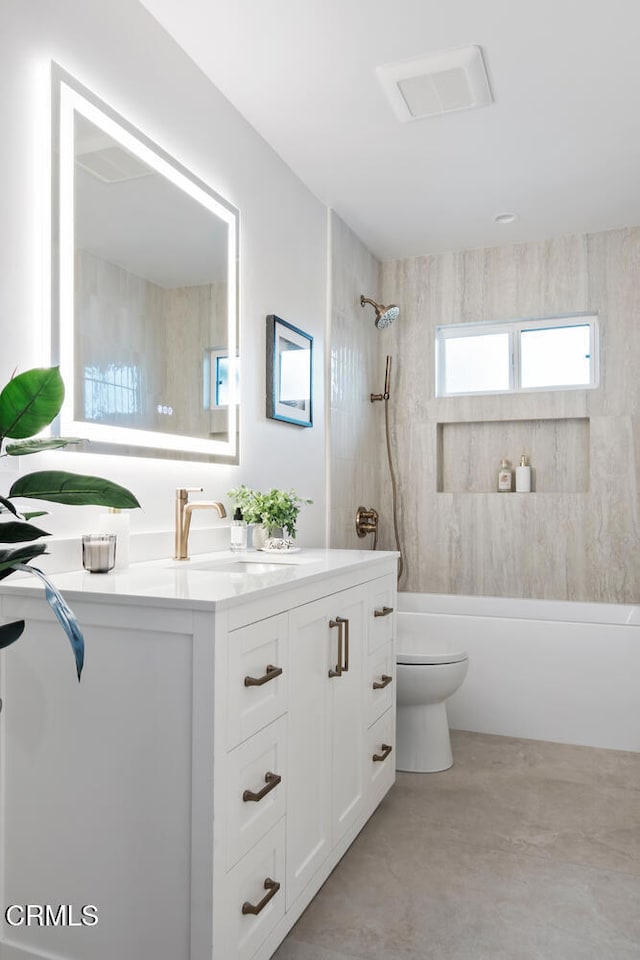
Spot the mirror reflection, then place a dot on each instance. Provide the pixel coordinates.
(148, 307)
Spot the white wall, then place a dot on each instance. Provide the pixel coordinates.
(116, 49)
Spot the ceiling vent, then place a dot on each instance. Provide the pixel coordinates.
(436, 84)
(112, 164)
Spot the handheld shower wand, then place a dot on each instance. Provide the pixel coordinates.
(387, 384)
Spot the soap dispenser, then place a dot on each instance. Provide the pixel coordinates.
(523, 476)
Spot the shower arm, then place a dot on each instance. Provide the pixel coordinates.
(387, 384)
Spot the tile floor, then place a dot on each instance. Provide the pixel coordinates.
(524, 850)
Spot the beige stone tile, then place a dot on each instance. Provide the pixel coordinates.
(577, 537)
(298, 950)
(573, 804)
(523, 850)
(451, 900)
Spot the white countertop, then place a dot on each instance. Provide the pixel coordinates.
(206, 581)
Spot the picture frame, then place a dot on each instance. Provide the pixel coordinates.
(289, 373)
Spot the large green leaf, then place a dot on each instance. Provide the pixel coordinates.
(61, 486)
(15, 532)
(30, 401)
(9, 558)
(24, 447)
(9, 632)
(8, 506)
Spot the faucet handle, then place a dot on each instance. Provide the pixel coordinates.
(182, 493)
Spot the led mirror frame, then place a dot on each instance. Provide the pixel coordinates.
(69, 97)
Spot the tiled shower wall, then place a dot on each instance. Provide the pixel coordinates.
(158, 332)
(355, 374)
(577, 536)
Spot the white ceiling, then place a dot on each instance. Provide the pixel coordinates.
(560, 145)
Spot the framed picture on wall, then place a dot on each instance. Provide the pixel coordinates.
(289, 373)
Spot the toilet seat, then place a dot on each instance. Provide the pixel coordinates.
(425, 650)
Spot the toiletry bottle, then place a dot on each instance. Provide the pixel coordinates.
(238, 532)
(116, 521)
(523, 476)
(505, 475)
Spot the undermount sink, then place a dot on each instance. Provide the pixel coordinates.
(251, 562)
(234, 566)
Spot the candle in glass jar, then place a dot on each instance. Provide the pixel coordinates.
(98, 552)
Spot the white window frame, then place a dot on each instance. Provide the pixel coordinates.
(515, 328)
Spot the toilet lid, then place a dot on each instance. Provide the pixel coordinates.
(424, 657)
(419, 643)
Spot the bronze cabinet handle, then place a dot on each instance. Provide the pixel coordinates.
(338, 622)
(271, 781)
(384, 612)
(382, 683)
(345, 622)
(386, 750)
(271, 673)
(272, 886)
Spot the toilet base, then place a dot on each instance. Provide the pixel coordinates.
(423, 744)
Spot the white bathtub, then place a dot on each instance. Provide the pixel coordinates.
(542, 669)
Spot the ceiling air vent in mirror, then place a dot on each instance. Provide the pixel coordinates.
(113, 164)
(437, 83)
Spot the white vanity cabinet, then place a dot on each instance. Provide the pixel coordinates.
(208, 773)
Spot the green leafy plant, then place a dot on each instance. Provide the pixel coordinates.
(275, 509)
(28, 403)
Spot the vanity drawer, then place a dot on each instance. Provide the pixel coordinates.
(381, 681)
(256, 788)
(257, 678)
(382, 594)
(380, 761)
(256, 883)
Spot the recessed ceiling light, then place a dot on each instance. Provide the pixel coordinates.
(506, 217)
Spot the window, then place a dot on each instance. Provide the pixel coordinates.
(555, 354)
(216, 370)
(110, 391)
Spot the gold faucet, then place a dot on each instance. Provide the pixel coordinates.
(184, 509)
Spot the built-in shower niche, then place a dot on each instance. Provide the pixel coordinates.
(469, 454)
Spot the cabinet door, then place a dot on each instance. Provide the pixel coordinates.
(326, 730)
(380, 682)
(310, 741)
(380, 764)
(348, 713)
(256, 677)
(382, 595)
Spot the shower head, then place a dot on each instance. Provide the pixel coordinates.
(384, 315)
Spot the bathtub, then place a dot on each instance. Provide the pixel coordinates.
(542, 669)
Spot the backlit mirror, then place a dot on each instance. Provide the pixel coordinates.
(145, 290)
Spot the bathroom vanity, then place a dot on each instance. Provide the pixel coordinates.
(233, 731)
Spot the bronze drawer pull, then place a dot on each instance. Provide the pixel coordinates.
(382, 683)
(271, 674)
(345, 620)
(271, 781)
(384, 612)
(386, 750)
(272, 886)
(338, 670)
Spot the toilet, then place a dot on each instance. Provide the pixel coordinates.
(430, 668)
